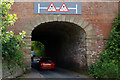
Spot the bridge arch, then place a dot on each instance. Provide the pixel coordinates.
(90, 33)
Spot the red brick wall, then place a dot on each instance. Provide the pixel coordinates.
(99, 14)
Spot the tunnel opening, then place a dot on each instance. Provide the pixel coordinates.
(64, 42)
(38, 48)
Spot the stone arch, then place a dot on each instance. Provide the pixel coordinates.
(90, 32)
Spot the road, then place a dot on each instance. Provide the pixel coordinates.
(56, 74)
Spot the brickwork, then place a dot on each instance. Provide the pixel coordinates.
(95, 20)
(99, 14)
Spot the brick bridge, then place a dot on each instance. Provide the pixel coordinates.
(70, 39)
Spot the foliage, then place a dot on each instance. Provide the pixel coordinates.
(11, 44)
(12, 48)
(7, 19)
(38, 48)
(104, 70)
(107, 66)
(112, 48)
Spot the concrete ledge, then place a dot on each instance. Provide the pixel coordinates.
(63, 17)
(50, 18)
(67, 18)
(42, 19)
(59, 17)
(55, 17)
(46, 18)
(72, 18)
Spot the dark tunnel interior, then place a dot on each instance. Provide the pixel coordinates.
(64, 42)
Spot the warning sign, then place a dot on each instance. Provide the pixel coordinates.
(63, 8)
(57, 8)
(51, 8)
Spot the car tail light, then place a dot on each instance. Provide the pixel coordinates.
(41, 63)
(52, 63)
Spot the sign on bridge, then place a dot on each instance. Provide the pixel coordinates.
(51, 8)
(57, 8)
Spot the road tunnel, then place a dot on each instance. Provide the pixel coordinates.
(64, 42)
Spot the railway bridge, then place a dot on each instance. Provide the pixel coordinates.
(73, 34)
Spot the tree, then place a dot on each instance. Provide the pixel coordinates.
(38, 48)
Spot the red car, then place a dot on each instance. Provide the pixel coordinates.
(46, 63)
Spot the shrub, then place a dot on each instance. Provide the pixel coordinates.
(109, 59)
(12, 44)
(104, 70)
(12, 48)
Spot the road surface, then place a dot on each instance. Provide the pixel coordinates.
(56, 74)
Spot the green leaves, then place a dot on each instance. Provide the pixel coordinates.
(7, 19)
(38, 48)
(104, 70)
(107, 66)
(11, 44)
(11, 47)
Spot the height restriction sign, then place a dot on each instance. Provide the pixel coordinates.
(57, 8)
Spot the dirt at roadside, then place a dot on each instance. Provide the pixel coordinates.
(33, 73)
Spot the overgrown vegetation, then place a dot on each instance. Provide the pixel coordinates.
(12, 54)
(38, 48)
(109, 60)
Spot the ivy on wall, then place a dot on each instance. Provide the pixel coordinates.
(109, 60)
(12, 44)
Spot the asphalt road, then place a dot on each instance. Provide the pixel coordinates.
(59, 73)
(56, 74)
